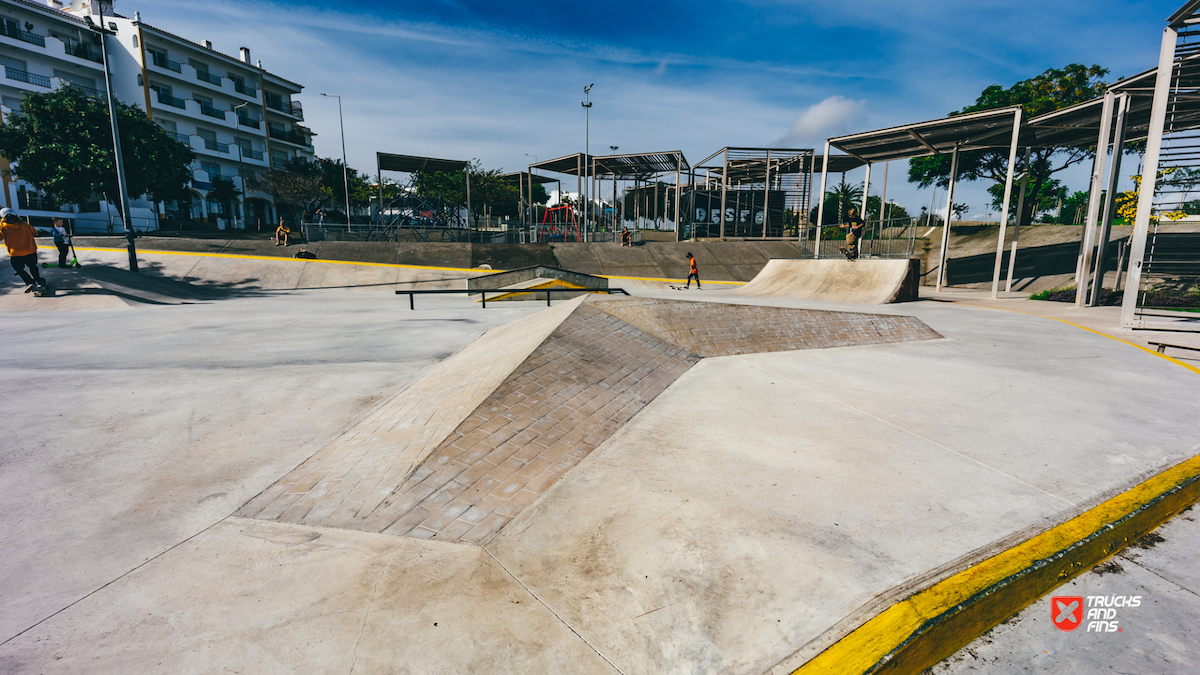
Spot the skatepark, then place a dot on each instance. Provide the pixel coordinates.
(261, 464)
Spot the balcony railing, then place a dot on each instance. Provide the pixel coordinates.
(170, 100)
(213, 145)
(83, 51)
(248, 122)
(252, 154)
(205, 77)
(182, 138)
(243, 89)
(28, 78)
(206, 109)
(23, 36)
(32, 201)
(94, 93)
(163, 62)
(290, 107)
(290, 136)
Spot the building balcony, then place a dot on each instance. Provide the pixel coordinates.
(206, 109)
(94, 93)
(166, 63)
(247, 153)
(83, 51)
(182, 138)
(248, 122)
(215, 146)
(244, 90)
(293, 137)
(205, 77)
(286, 107)
(26, 77)
(167, 99)
(23, 36)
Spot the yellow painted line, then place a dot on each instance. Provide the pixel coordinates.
(671, 281)
(1177, 362)
(921, 630)
(929, 625)
(302, 260)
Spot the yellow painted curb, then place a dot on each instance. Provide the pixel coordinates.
(671, 281)
(302, 260)
(921, 630)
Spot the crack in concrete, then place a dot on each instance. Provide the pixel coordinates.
(367, 614)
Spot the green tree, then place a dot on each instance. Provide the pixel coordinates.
(361, 190)
(1052, 90)
(487, 189)
(61, 142)
(295, 186)
(838, 202)
(225, 193)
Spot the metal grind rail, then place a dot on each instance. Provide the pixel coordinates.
(484, 291)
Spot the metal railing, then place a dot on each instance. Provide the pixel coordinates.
(167, 99)
(244, 90)
(206, 109)
(252, 154)
(164, 62)
(505, 291)
(23, 36)
(290, 107)
(26, 77)
(94, 93)
(182, 138)
(893, 238)
(290, 136)
(248, 122)
(203, 76)
(213, 145)
(83, 51)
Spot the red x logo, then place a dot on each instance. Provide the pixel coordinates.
(1066, 611)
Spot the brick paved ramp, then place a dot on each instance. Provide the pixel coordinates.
(864, 281)
(464, 450)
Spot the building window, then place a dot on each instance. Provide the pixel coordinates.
(213, 170)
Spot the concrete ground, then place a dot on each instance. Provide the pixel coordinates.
(753, 513)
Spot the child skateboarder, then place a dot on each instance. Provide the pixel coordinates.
(857, 225)
(692, 272)
(281, 234)
(19, 237)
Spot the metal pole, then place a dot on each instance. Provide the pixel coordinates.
(1008, 184)
(1012, 253)
(941, 276)
(237, 130)
(724, 185)
(1114, 175)
(883, 205)
(678, 198)
(127, 222)
(766, 195)
(1141, 223)
(587, 109)
(467, 171)
(1087, 242)
(821, 202)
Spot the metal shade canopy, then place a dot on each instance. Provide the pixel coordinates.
(525, 178)
(972, 131)
(837, 163)
(622, 166)
(410, 164)
(573, 165)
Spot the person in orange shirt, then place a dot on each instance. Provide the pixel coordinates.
(18, 236)
(692, 272)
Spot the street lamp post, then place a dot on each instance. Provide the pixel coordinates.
(531, 214)
(237, 131)
(587, 108)
(345, 169)
(127, 222)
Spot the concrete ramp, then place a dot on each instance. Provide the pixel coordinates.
(867, 282)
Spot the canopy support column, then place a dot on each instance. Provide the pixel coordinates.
(1087, 242)
(724, 187)
(941, 276)
(821, 202)
(1012, 253)
(883, 204)
(766, 195)
(1008, 184)
(1114, 175)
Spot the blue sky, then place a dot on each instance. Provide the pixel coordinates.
(494, 81)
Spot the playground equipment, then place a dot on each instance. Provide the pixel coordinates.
(559, 223)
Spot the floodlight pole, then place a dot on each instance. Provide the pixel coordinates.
(614, 216)
(237, 128)
(345, 167)
(587, 109)
(1114, 174)
(127, 221)
(821, 202)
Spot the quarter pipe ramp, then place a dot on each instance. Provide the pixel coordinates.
(868, 282)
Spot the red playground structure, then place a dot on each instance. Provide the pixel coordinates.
(559, 224)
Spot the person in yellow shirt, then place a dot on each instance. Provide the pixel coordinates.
(19, 238)
(281, 234)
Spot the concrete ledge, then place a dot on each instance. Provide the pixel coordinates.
(921, 630)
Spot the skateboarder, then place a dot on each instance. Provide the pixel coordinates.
(281, 234)
(856, 225)
(692, 272)
(626, 238)
(19, 237)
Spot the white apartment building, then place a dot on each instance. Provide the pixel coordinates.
(237, 117)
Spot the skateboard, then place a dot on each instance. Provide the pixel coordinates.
(73, 263)
(846, 253)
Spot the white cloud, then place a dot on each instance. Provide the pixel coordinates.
(834, 116)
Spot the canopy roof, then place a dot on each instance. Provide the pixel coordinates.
(837, 163)
(973, 131)
(411, 164)
(620, 166)
(524, 178)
